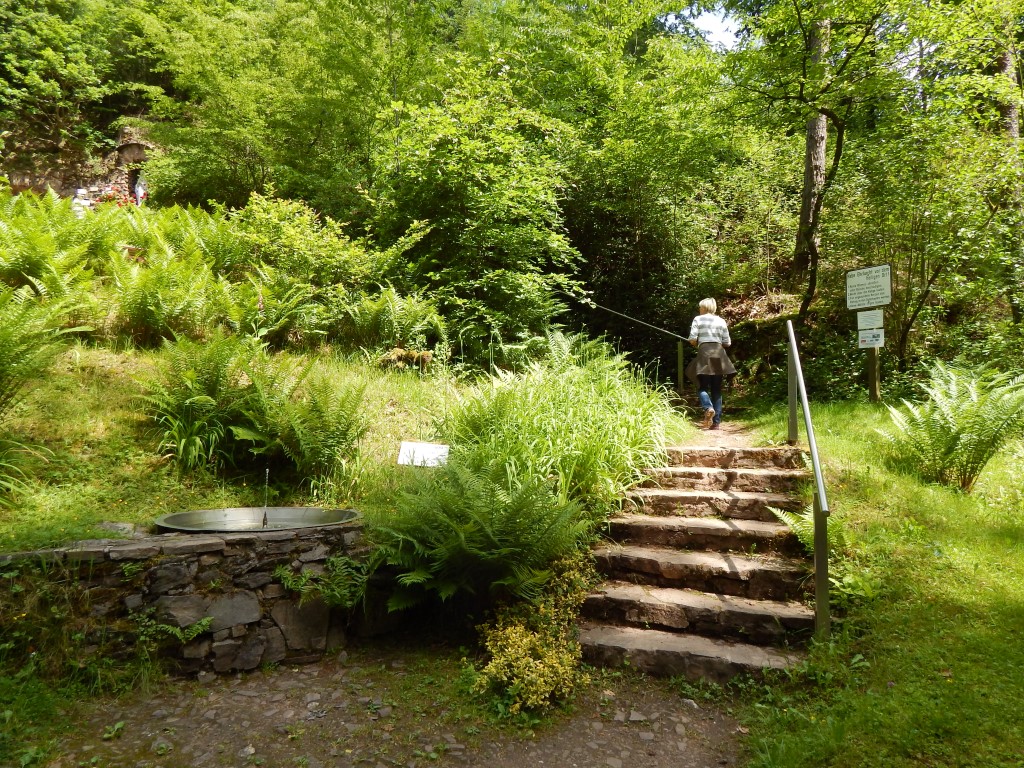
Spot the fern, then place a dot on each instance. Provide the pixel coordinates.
(196, 399)
(324, 428)
(476, 531)
(391, 320)
(342, 583)
(802, 525)
(968, 417)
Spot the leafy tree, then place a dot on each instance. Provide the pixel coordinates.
(480, 172)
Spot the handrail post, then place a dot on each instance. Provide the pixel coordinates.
(822, 616)
(822, 613)
(791, 366)
(679, 367)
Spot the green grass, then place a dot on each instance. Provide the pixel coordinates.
(99, 460)
(931, 672)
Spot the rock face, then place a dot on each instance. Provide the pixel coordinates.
(180, 580)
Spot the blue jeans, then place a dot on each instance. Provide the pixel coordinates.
(710, 393)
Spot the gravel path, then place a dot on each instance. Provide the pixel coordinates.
(371, 708)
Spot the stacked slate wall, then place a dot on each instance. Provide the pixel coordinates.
(178, 580)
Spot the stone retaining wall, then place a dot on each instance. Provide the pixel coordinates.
(181, 579)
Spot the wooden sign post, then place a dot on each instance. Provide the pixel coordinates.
(870, 287)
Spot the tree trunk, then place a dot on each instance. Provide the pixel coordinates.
(1009, 111)
(808, 238)
(1009, 114)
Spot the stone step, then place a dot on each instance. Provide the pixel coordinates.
(743, 505)
(704, 533)
(764, 622)
(786, 457)
(719, 479)
(666, 654)
(760, 577)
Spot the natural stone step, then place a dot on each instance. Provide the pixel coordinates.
(715, 478)
(786, 457)
(764, 622)
(743, 505)
(666, 654)
(704, 533)
(758, 577)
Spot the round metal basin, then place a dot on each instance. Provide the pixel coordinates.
(252, 519)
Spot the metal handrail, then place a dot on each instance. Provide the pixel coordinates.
(798, 390)
(679, 339)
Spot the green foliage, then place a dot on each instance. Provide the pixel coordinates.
(582, 417)
(475, 168)
(928, 671)
(968, 417)
(269, 306)
(323, 428)
(534, 653)
(160, 296)
(391, 320)
(802, 525)
(294, 239)
(28, 344)
(478, 530)
(342, 583)
(227, 401)
(196, 398)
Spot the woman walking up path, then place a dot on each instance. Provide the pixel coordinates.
(710, 334)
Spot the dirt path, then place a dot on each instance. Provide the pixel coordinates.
(394, 707)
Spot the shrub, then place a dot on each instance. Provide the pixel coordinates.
(533, 649)
(968, 417)
(290, 236)
(196, 399)
(478, 530)
(582, 417)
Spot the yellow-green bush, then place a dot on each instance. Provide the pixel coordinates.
(533, 648)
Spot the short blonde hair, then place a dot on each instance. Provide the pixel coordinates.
(708, 305)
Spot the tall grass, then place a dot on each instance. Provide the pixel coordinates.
(537, 458)
(583, 418)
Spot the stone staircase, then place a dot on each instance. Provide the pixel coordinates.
(702, 580)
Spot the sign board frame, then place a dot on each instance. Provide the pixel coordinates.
(869, 287)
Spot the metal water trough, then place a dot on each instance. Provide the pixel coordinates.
(252, 519)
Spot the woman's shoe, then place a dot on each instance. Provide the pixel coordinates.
(709, 416)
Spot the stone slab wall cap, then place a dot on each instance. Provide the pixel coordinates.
(190, 545)
(134, 551)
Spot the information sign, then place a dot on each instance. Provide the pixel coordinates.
(869, 287)
(870, 338)
(422, 454)
(873, 318)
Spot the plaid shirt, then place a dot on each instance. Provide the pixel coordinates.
(709, 327)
